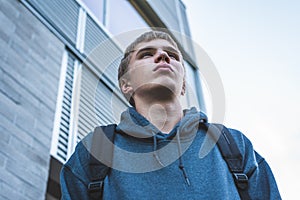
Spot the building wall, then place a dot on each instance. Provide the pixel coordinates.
(30, 61)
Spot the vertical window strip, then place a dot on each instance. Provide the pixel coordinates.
(67, 105)
(81, 30)
(62, 123)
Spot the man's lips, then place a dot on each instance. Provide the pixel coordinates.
(163, 66)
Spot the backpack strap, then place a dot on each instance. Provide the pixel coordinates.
(101, 150)
(232, 156)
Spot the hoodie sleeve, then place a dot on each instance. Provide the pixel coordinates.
(73, 176)
(72, 187)
(262, 184)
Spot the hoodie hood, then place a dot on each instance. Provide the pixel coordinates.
(134, 124)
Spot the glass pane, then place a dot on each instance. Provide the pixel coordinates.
(191, 86)
(96, 7)
(123, 17)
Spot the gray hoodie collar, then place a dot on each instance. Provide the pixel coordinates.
(134, 124)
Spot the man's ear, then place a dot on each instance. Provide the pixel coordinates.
(126, 87)
(183, 87)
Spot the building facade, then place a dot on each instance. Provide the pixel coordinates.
(58, 69)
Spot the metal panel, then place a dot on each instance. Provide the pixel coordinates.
(192, 86)
(93, 35)
(95, 106)
(101, 51)
(62, 14)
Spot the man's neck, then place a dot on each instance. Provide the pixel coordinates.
(163, 115)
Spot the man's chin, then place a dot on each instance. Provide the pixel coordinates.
(155, 90)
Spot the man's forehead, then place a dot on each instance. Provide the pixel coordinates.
(157, 43)
(154, 44)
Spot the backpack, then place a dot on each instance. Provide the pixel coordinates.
(225, 142)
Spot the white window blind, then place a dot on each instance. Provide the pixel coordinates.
(64, 118)
(61, 14)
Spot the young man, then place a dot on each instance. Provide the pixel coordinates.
(156, 143)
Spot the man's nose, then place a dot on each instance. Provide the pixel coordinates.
(162, 56)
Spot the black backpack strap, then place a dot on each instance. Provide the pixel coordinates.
(100, 159)
(232, 155)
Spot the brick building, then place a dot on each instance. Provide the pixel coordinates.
(55, 87)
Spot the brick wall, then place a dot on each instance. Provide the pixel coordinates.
(30, 62)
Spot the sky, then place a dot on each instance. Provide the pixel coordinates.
(255, 47)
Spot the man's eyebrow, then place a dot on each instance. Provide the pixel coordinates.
(165, 48)
(144, 49)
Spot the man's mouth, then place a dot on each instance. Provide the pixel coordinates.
(163, 66)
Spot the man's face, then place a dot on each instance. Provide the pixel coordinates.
(155, 66)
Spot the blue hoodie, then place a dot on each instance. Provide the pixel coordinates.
(183, 164)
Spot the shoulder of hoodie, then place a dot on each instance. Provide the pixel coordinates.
(251, 158)
(82, 150)
(78, 163)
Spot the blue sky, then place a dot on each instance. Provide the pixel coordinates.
(255, 46)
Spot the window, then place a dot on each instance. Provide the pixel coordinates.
(64, 118)
(117, 16)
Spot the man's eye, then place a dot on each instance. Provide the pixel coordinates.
(174, 56)
(146, 55)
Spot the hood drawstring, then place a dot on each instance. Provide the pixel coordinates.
(181, 166)
(155, 150)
